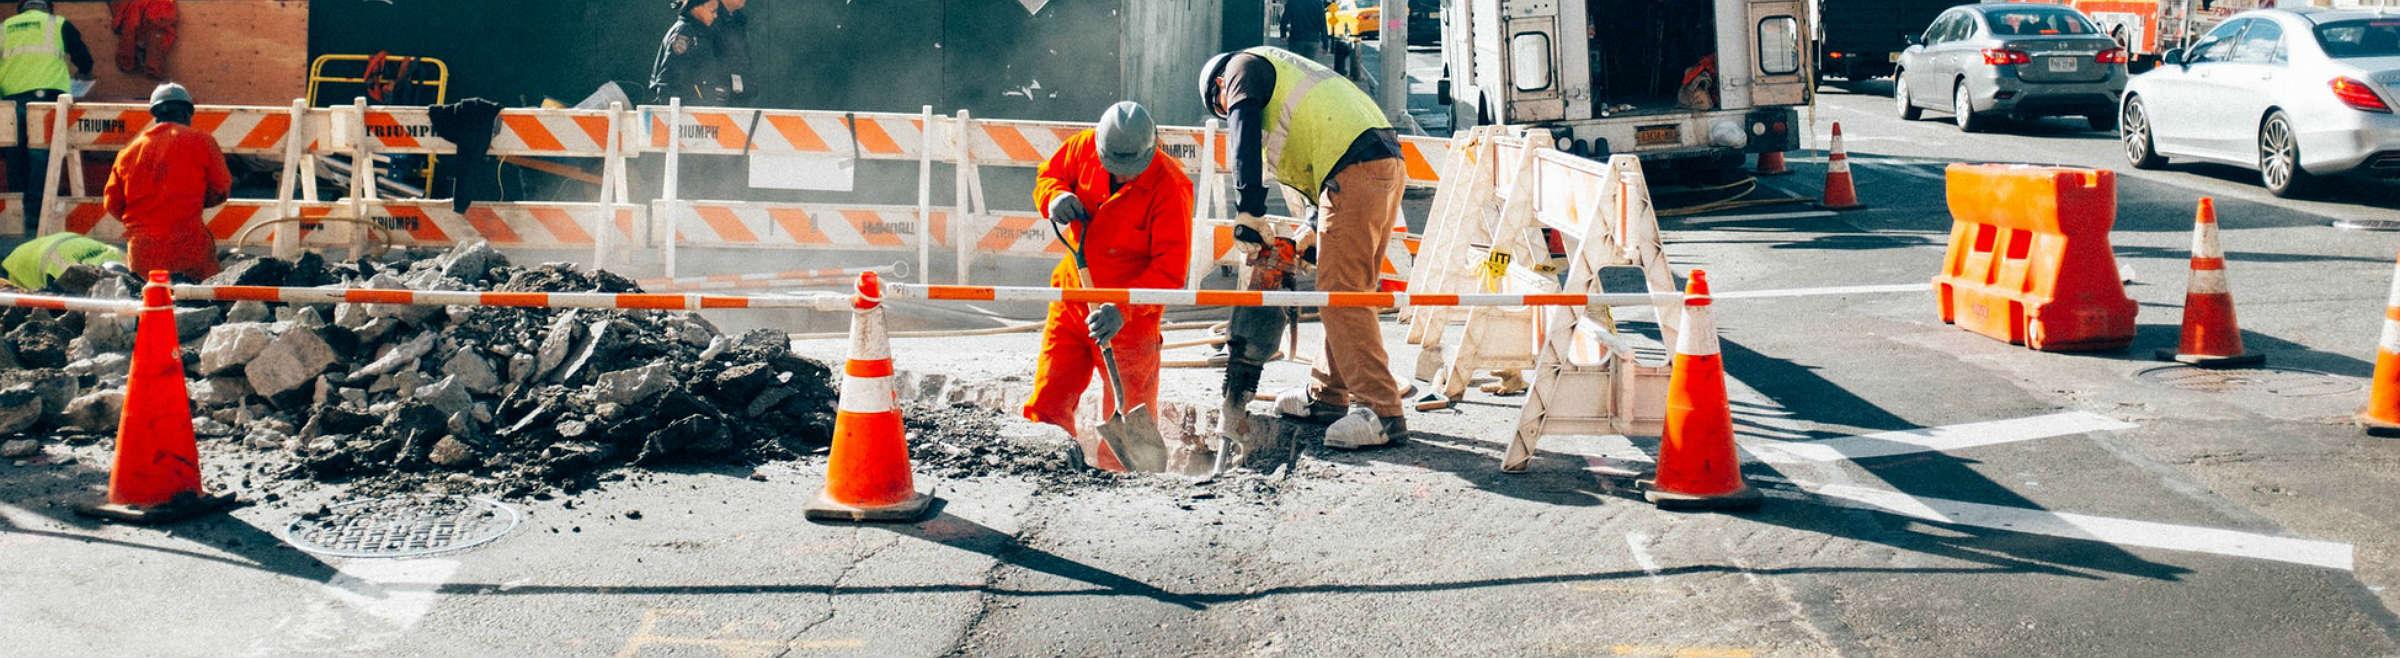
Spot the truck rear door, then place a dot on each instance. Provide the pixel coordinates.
(1779, 55)
(1531, 80)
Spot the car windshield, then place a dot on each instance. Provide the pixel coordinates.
(2029, 22)
(2372, 37)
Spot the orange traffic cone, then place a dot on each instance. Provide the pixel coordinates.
(1771, 164)
(1840, 193)
(2211, 338)
(156, 477)
(868, 476)
(1697, 466)
(2381, 417)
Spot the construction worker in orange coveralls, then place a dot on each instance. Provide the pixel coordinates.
(1128, 206)
(161, 182)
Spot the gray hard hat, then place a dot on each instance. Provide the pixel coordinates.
(1126, 138)
(31, 5)
(170, 93)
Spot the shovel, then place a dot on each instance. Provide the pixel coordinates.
(1130, 432)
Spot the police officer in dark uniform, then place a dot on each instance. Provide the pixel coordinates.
(703, 56)
(701, 61)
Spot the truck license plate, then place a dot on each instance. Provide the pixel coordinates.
(1658, 135)
(2062, 65)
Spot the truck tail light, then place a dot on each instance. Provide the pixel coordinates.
(2004, 56)
(2111, 56)
(2358, 96)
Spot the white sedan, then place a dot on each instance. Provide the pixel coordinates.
(2295, 93)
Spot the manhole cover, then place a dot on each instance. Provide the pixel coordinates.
(402, 526)
(2286, 382)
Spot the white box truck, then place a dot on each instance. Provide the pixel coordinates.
(1693, 85)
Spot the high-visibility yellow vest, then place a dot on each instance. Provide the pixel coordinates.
(33, 54)
(33, 264)
(1312, 118)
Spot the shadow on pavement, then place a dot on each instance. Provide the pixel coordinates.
(2149, 338)
(54, 491)
(1801, 394)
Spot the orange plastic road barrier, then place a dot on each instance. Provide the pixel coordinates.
(1771, 164)
(868, 476)
(156, 477)
(1840, 192)
(2211, 337)
(1697, 465)
(2029, 260)
(2381, 417)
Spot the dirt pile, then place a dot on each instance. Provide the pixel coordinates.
(950, 441)
(388, 398)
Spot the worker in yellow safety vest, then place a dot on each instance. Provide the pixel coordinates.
(32, 265)
(1325, 139)
(41, 57)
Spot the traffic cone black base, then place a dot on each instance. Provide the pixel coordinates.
(2251, 360)
(183, 506)
(913, 509)
(1746, 498)
(2378, 429)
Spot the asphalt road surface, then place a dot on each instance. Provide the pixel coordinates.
(1930, 493)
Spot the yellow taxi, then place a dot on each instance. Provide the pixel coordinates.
(1353, 18)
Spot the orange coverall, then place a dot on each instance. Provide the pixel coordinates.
(160, 184)
(1140, 236)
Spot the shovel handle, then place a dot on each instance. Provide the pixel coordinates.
(1108, 355)
(1116, 385)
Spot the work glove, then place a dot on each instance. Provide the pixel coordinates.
(1105, 322)
(1249, 233)
(1067, 209)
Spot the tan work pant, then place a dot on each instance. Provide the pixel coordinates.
(1355, 220)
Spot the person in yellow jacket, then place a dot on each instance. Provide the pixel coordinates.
(32, 265)
(41, 57)
(1324, 138)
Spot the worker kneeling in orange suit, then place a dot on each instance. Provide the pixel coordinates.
(1128, 207)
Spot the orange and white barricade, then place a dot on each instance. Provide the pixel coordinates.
(1586, 378)
(68, 129)
(363, 131)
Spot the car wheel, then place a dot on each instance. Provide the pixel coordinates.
(1908, 109)
(2133, 128)
(2279, 157)
(1962, 109)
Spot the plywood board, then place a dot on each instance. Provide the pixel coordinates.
(228, 52)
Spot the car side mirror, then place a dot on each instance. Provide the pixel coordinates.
(2171, 56)
(1441, 91)
(1913, 40)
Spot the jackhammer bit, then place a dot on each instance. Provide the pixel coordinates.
(1250, 339)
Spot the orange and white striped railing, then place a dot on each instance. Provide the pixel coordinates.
(75, 304)
(592, 300)
(1255, 298)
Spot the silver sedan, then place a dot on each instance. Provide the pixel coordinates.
(2015, 60)
(2295, 93)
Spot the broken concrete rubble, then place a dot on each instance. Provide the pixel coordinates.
(230, 346)
(294, 359)
(387, 399)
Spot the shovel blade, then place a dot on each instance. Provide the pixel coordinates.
(1133, 434)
